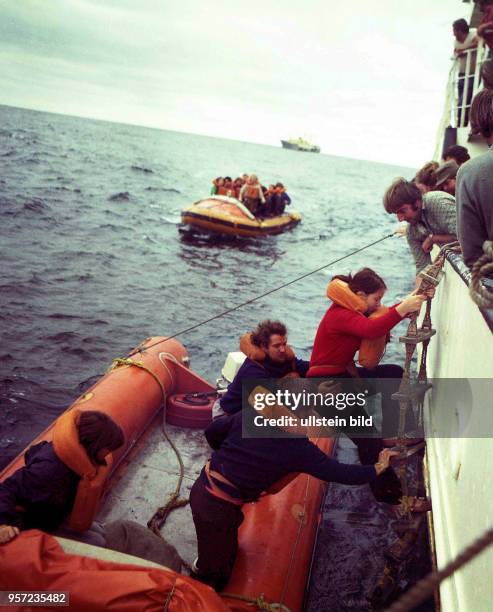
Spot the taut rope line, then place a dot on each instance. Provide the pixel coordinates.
(262, 295)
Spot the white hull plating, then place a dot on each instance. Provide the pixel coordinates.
(460, 467)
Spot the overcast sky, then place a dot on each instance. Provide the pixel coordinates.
(361, 78)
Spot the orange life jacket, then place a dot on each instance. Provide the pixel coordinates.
(371, 350)
(253, 192)
(222, 190)
(93, 477)
(255, 353)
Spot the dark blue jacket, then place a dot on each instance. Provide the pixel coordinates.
(252, 465)
(231, 400)
(45, 488)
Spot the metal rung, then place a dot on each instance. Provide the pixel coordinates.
(414, 392)
(421, 336)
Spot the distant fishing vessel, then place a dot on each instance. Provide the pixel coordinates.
(300, 144)
(225, 215)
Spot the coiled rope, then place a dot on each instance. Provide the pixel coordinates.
(425, 587)
(173, 501)
(260, 602)
(481, 268)
(262, 295)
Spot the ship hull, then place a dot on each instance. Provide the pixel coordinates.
(458, 425)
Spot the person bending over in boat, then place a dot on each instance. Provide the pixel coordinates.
(42, 494)
(239, 471)
(342, 330)
(431, 217)
(251, 194)
(268, 356)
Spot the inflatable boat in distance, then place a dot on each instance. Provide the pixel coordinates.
(225, 215)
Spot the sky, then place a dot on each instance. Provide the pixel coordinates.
(362, 79)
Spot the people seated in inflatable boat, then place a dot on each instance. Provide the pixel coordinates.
(63, 478)
(252, 195)
(261, 201)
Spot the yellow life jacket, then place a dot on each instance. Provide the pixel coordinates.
(93, 477)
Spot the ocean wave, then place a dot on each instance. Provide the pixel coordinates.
(163, 189)
(142, 169)
(36, 205)
(122, 196)
(63, 337)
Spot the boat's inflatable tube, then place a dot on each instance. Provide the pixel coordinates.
(223, 215)
(131, 396)
(276, 542)
(35, 558)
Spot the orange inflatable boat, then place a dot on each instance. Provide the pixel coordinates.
(224, 215)
(276, 539)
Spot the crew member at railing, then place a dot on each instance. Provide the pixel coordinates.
(466, 42)
(445, 177)
(431, 218)
(458, 153)
(475, 185)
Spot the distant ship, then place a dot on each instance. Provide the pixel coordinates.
(300, 144)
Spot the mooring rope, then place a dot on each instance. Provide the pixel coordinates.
(481, 268)
(262, 295)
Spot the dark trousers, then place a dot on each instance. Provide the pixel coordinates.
(216, 523)
(386, 487)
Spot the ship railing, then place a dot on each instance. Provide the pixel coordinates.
(462, 87)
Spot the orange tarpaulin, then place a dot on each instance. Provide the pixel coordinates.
(35, 561)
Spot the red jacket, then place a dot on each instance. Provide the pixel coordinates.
(339, 337)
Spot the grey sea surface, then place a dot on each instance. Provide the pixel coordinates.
(93, 261)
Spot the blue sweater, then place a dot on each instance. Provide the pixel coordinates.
(252, 465)
(231, 400)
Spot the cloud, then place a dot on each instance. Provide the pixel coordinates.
(256, 71)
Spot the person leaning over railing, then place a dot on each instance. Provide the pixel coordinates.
(466, 42)
(431, 218)
(475, 185)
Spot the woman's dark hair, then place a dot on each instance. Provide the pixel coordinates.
(365, 280)
(482, 113)
(98, 431)
(265, 329)
(457, 152)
